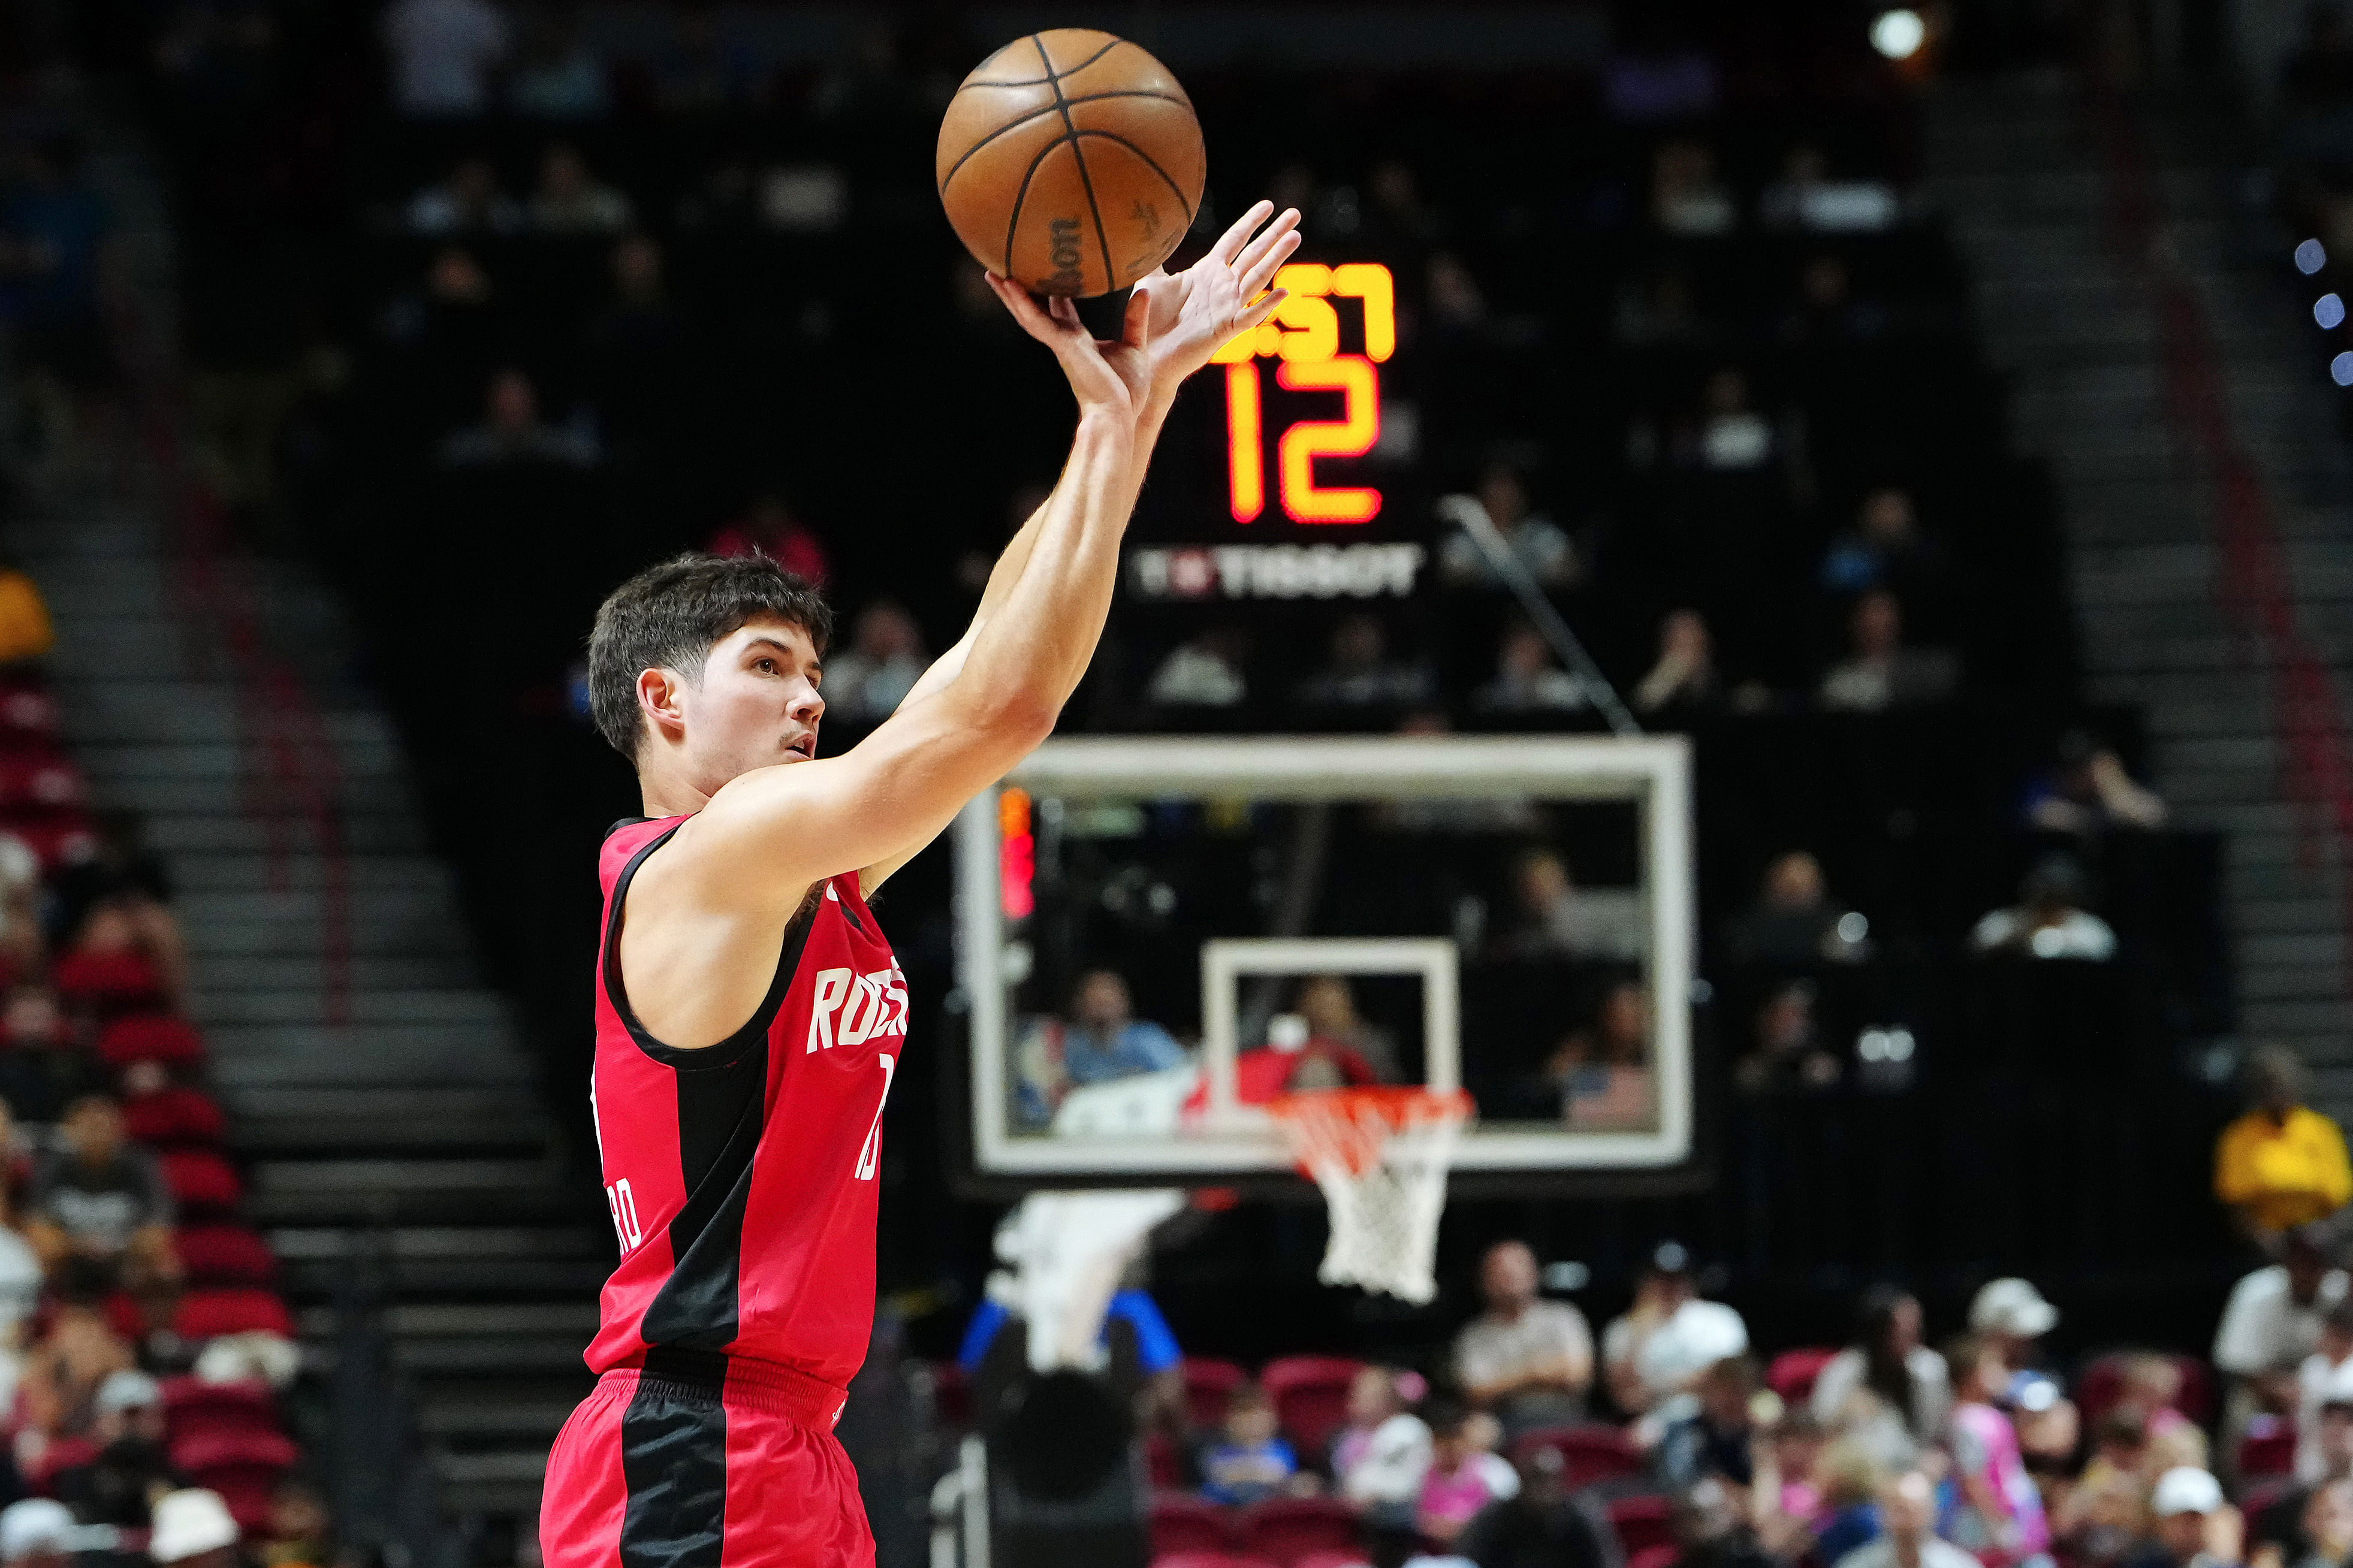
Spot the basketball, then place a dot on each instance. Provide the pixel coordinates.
(1070, 161)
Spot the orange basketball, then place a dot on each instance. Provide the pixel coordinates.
(1070, 161)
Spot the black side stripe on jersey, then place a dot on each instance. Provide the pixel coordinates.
(721, 1113)
(756, 1028)
(674, 1463)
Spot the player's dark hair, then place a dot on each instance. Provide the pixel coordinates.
(667, 616)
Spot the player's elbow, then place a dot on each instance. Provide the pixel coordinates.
(1021, 719)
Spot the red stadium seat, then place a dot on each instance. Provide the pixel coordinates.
(64, 1454)
(1210, 1560)
(150, 1037)
(1793, 1372)
(1183, 1522)
(224, 1255)
(1310, 1397)
(205, 1313)
(1642, 1522)
(28, 715)
(244, 1468)
(35, 785)
(1208, 1386)
(1287, 1529)
(2101, 1387)
(1162, 1462)
(113, 982)
(1664, 1555)
(175, 1115)
(201, 1181)
(193, 1408)
(2268, 1453)
(60, 840)
(1350, 1559)
(1588, 1453)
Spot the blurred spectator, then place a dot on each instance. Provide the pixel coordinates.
(126, 875)
(25, 632)
(570, 200)
(1805, 196)
(1785, 1496)
(1599, 1075)
(1465, 1473)
(2195, 1527)
(130, 1469)
(1556, 919)
(1998, 1508)
(1545, 1526)
(193, 1529)
(42, 1067)
(1718, 1438)
(1789, 1054)
(2271, 1323)
(301, 1528)
(513, 432)
(1713, 1529)
(2323, 1381)
(1733, 437)
(1686, 198)
(2101, 1513)
(1885, 550)
(76, 1355)
(37, 1532)
(1668, 1336)
(1360, 673)
(1249, 1462)
(1881, 672)
(100, 1197)
(24, 946)
(1907, 1510)
(558, 77)
(2049, 920)
(1794, 920)
(1456, 301)
(1328, 1002)
(443, 52)
(1888, 1392)
(1527, 1359)
(2089, 792)
(1851, 1479)
(1540, 544)
(1380, 1457)
(1527, 679)
(1684, 677)
(768, 527)
(1294, 1058)
(467, 203)
(1207, 672)
(2282, 1164)
(1106, 1040)
(866, 681)
(2011, 1315)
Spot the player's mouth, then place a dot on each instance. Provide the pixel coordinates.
(803, 745)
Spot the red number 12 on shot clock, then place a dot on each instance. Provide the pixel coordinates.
(1304, 336)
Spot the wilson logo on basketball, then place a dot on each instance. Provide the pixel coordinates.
(851, 1009)
(1064, 256)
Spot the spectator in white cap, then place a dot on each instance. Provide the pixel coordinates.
(2194, 1528)
(2009, 1315)
(193, 1527)
(131, 1466)
(37, 1533)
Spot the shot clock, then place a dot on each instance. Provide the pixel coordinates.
(1329, 338)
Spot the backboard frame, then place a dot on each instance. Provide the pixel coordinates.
(1653, 771)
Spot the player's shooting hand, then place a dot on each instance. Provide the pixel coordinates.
(1195, 312)
(1108, 376)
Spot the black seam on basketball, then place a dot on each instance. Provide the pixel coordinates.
(1150, 162)
(1013, 224)
(1050, 72)
(1024, 120)
(1086, 181)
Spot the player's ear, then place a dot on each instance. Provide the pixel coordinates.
(662, 699)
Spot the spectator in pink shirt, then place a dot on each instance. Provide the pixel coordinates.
(1465, 1474)
(1998, 1514)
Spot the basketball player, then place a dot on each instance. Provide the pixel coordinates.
(749, 1013)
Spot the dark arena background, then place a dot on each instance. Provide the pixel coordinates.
(1874, 479)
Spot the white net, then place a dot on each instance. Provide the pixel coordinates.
(1381, 1158)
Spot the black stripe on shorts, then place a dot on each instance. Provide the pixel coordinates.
(674, 1459)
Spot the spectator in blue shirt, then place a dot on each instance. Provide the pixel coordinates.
(1106, 1040)
(1250, 1462)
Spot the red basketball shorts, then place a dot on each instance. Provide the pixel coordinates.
(705, 1461)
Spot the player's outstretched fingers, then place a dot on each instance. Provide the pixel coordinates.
(1285, 228)
(1230, 244)
(1258, 267)
(1136, 324)
(1258, 310)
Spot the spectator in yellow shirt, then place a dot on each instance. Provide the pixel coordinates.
(2283, 1164)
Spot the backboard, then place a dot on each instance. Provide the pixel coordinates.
(1507, 914)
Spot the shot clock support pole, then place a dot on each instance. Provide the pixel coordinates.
(1466, 513)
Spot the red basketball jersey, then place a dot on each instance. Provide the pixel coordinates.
(742, 1178)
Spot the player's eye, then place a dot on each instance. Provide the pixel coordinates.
(767, 667)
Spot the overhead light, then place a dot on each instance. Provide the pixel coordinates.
(1898, 34)
(2328, 310)
(2340, 370)
(2310, 258)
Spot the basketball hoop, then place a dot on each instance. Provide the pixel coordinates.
(1380, 1156)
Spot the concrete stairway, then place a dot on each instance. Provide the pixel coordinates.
(2016, 170)
(388, 1118)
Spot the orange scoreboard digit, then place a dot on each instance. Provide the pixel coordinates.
(1304, 336)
